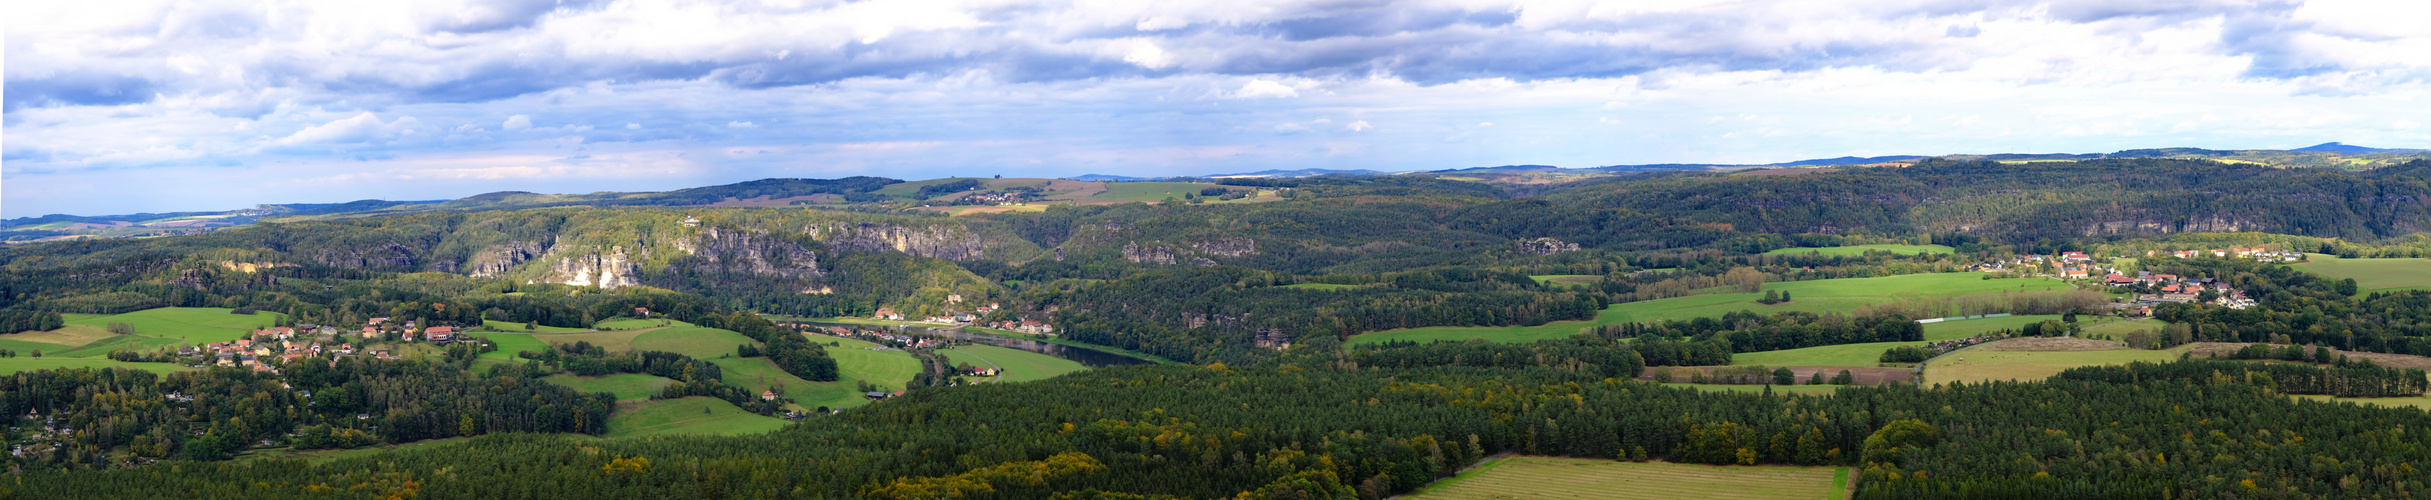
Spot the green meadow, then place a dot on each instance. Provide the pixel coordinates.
(10, 366)
(888, 370)
(1149, 191)
(692, 415)
(1818, 296)
(1862, 249)
(2371, 275)
(1018, 365)
(1870, 354)
(626, 386)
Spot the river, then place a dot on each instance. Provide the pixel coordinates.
(1088, 357)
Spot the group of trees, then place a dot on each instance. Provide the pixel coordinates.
(1746, 331)
(207, 414)
(688, 376)
(13, 321)
(1215, 313)
(1371, 423)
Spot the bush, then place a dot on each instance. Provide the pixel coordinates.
(1906, 354)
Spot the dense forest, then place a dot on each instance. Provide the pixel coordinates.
(1319, 427)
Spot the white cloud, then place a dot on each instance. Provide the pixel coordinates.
(1264, 89)
(517, 122)
(741, 124)
(1358, 126)
(358, 129)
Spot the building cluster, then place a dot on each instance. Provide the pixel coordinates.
(2170, 288)
(2257, 253)
(2066, 265)
(1024, 326)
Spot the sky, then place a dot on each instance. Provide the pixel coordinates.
(117, 107)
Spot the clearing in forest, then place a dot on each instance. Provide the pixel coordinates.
(1580, 478)
(687, 416)
(2371, 275)
(1018, 365)
(626, 386)
(888, 370)
(1862, 249)
(1567, 279)
(1870, 354)
(1818, 296)
(2000, 361)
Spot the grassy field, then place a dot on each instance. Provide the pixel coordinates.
(10, 366)
(1835, 295)
(1580, 478)
(1018, 365)
(687, 416)
(689, 340)
(1071, 343)
(1566, 279)
(620, 340)
(2372, 274)
(325, 456)
(1856, 355)
(888, 370)
(2114, 329)
(635, 323)
(177, 325)
(2423, 402)
(1862, 249)
(626, 386)
(511, 343)
(1149, 191)
(1980, 365)
(512, 327)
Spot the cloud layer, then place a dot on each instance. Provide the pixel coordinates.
(322, 101)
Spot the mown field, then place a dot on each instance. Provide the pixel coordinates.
(1579, 478)
(626, 386)
(509, 344)
(1980, 365)
(1862, 249)
(1870, 354)
(511, 327)
(693, 415)
(1018, 365)
(1149, 191)
(888, 370)
(1834, 295)
(2371, 274)
(1566, 279)
(85, 341)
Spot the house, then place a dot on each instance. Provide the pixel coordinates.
(371, 332)
(690, 221)
(376, 321)
(876, 395)
(642, 311)
(768, 395)
(2116, 279)
(2075, 257)
(440, 334)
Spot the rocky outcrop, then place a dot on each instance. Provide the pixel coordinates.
(1147, 255)
(608, 269)
(496, 260)
(1231, 246)
(1545, 246)
(2213, 224)
(385, 256)
(734, 251)
(936, 242)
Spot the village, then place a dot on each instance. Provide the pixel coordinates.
(288, 344)
(2146, 288)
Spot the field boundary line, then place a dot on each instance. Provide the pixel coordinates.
(1471, 471)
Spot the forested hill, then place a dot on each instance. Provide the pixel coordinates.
(2028, 201)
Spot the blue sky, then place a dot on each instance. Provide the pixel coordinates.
(116, 107)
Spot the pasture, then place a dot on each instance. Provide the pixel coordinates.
(1833, 295)
(687, 416)
(1149, 191)
(1583, 478)
(1850, 251)
(1984, 364)
(1018, 365)
(689, 340)
(189, 325)
(2418, 402)
(2371, 275)
(1566, 279)
(616, 340)
(888, 370)
(626, 386)
(21, 363)
(511, 343)
(512, 327)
